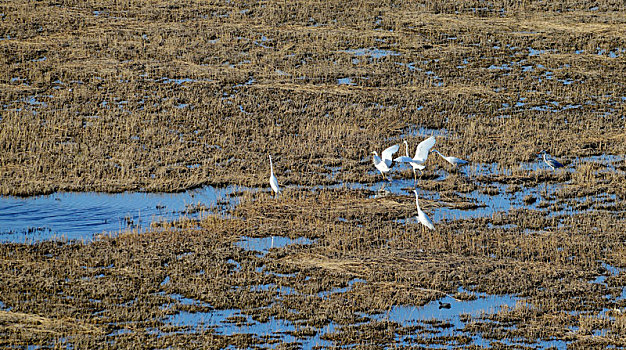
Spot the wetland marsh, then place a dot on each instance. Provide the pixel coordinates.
(135, 209)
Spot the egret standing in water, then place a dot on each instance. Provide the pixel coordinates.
(384, 165)
(273, 180)
(421, 154)
(421, 216)
(452, 160)
(552, 163)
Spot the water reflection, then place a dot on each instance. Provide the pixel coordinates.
(79, 215)
(483, 304)
(264, 244)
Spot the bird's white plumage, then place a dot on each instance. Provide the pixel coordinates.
(384, 165)
(388, 154)
(422, 150)
(414, 165)
(421, 154)
(421, 216)
(273, 180)
(452, 160)
(403, 159)
(379, 163)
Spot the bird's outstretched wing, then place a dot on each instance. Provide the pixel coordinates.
(388, 153)
(403, 159)
(376, 159)
(422, 150)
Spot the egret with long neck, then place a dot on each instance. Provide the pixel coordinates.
(452, 160)
(384, 165)
(414, 166)
(421, 154)
(273, 180)
(421, 216)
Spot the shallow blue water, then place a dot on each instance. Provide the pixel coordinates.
(264, 244)
(80, 215)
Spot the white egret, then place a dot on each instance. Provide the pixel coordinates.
(273, 180)
(452, 160)
(421, 216)
(552, 163)
(384, 165)
(421, 154)
(414, 165)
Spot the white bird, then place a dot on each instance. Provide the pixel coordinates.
(452, 160)
(414, 165)
(552, 163)
(421, 216)
(421, 154)
(273, 180)
(384, 165)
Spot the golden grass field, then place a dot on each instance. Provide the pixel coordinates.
(130, 95)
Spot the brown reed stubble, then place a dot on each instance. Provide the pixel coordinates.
(117, 282)
(308, 122)
(293, 108)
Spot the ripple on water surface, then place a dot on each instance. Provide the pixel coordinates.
(80, 215)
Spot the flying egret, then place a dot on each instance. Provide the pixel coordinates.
(452, 160)
(421, 216)
(384, 165)
(273, 180)
(552, 163)
(421, 154)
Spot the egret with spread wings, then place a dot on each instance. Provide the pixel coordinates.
(421, 154)
(384, 165)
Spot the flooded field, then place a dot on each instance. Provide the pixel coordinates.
(135, 208)
(55, 216)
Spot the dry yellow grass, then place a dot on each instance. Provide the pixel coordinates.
(28, 324)
(165, 96)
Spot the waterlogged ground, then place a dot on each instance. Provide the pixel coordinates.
(135, 211)
(159, 98)
(81, 215)
(327, 266)
(47, 216)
